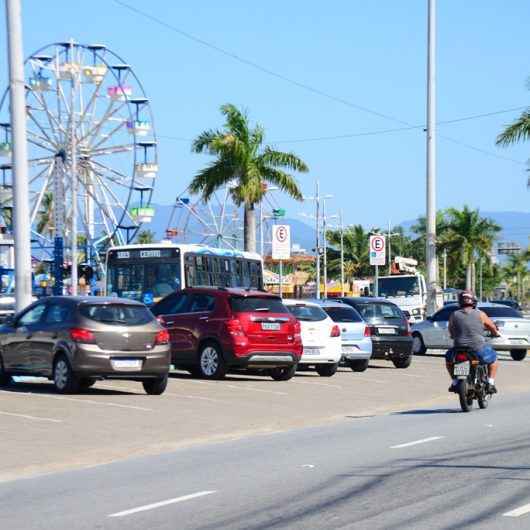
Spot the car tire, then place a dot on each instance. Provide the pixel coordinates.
(211, 362)
(327, 370)
(5, 378)
(283, 374)
(86, 382)
(155, 387)
(402, 362)
(518, 355)
(360, 365)
(418, 346)
(64, 378)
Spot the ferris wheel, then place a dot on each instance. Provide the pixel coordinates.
(92, 148)
(216, 223)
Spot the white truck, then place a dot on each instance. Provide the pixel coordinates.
(406, 288)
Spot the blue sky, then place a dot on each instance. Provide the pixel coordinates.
(371, 54)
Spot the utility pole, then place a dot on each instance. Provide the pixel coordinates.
(21, 217)
(445, 269)
(341, 254)
(73, 168)
(389, 245)
(432, 269)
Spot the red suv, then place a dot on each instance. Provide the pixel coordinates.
(213, 330)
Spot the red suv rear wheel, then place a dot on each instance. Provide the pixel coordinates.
(211, 362)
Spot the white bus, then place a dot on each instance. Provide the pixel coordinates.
(149, 272)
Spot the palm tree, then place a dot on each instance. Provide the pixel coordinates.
(145, 237)
(356, 252)
(245, 165)
(516, 273)
(45, 221)
(469, 236)
(517, 131)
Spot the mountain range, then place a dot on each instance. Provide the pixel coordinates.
(515, 226)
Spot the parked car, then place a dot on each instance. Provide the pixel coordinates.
(75, 341)
(355, 334)
(514, 304)
(388, 327)
(514, 328)
(321, 337)
(214, 330)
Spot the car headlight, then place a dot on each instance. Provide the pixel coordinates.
(416, 311)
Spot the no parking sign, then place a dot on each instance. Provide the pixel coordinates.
(281, 242)
(377, 250)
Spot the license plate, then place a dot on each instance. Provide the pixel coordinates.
(349, 349)
(311, 351)
(126, 364)
(386, 331)
(270, 326)
(461, 369)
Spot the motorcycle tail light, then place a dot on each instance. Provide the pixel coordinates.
(461, 357)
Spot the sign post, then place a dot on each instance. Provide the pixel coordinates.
(377, 257)
(281, 247)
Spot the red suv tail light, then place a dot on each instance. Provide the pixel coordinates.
(84, 336)
(162, 337)
(234, 327)
(367, 331)
(335, 331)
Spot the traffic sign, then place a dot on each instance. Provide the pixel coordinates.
(377, 250)
(281, 242)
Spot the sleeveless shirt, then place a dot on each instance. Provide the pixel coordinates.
(468, 329)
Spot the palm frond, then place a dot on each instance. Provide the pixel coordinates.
(517, 131)
(219, 173)
(236, 122)
(283, 180)
(204, 142)
(280, 159)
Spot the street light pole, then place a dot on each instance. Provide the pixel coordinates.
(432, 269)
(325, 246)
(73, 168)
(21, 217)
(317, 217)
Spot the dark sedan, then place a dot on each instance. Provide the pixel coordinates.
(389, 328)
(75, 341)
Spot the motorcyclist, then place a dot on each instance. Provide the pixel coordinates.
(466, 328)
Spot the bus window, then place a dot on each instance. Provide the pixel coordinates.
(190, 271)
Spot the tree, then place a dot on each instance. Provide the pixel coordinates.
(245, 165)
(517, 131)
(516, 273)
(419, 244)
(356, 254)
(469, 236)
(145, 237)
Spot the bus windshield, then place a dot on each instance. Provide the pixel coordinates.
(399, 286)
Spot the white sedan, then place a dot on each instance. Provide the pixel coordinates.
(321, 337)
(433, 333)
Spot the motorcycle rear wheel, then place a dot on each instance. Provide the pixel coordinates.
(465, 402)
(483, 400)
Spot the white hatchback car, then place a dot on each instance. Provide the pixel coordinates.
(321, 337)
(355, 333)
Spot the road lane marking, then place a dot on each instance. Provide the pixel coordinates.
(170, 394)
(79, 400)
(308, 466)
(162, 503)
(28, 417)
(518, 511)
(234, 387)
(417, 442)
(318, 384)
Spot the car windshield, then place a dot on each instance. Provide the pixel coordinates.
(251, 304)
(117, 314)
(399, 286)
(343, 314)
(379, 310)
(501, 312)
(309, 313)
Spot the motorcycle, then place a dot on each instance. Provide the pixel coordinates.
(472, 380)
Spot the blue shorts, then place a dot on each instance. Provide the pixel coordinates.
(487, 355)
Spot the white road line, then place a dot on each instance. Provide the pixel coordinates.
(363, 378)
(234, 387)
(417, 442)
(170, 394)
(161, 504)
(80, 400)
(412, 375)
(318, 384)
(28, 417)
(518, 511)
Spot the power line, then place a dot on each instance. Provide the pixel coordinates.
(248, 62)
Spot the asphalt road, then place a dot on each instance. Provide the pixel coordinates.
(432, 468)
(43, 432)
